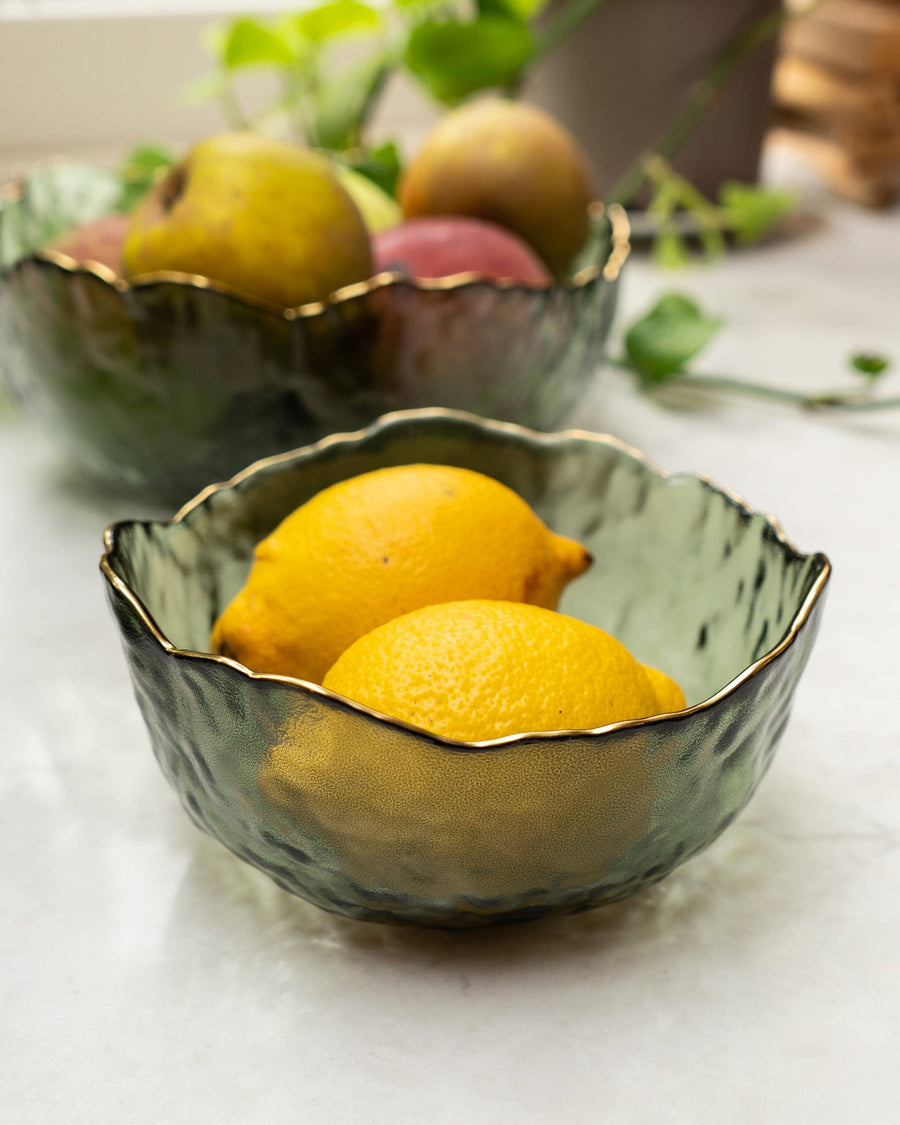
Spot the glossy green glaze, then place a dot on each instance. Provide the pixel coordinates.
(166, 385)
(687, 577)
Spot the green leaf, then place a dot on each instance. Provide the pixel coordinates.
(207, 88)
(148, 156)
(248, 42)
(524, 10)
(343, 103)
(750, 211)
(670, 250)
(453, 60)
(51, 201)
(870, 364)
(140, 170)
(213, 37)
(337, 18)
(381, 164)
(289, 28)
(662, 341)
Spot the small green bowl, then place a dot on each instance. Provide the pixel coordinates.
(163, 385)
(370, 817)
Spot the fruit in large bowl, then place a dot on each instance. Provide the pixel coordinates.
(100, 241)
(223, 339)
(512, 164)
(265, 218)
(445, 245)
(379, 210)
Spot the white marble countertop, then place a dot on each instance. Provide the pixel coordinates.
(147, 976)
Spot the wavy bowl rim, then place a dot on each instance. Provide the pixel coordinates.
(398, 418)
(609, 270)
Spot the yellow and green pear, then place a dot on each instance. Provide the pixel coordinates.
(379, 210)
(264, 218)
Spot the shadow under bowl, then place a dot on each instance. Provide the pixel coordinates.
(373, 818)
(161, 385)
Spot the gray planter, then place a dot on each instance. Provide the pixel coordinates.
(619, 79)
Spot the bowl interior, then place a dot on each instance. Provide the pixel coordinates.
(686, 577)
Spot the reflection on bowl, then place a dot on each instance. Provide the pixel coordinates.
(370, 817)
(170, 382)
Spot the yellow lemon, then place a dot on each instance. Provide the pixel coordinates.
(478, 669)
(393, 810)
(669, 695)
(379, 545)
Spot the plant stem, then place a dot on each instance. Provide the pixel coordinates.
(829, 400)
(231, 108)
(297, 86)
(702, 94)
(677, 192)
(561, 25)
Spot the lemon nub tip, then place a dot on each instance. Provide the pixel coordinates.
(574, 558)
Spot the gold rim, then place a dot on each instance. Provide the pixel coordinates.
(609, 270)
(400, 417)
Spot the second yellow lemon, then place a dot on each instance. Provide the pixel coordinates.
(476, 670)
(379, 545)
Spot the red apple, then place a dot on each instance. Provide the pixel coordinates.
(100, 241)
(441, 245)
(508, 162)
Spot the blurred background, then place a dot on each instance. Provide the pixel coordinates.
(89, 78)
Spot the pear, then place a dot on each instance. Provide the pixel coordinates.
(264, 218)
(509, 163)
(379, 210)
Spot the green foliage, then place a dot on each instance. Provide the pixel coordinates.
(870, 364)
(247, 42)
(51, 200)
(525, 10)
(683, 215)
(452, 50)
(208, 87)
(337, 19)
(750, 211)
(453, 60)
(670, 249)
(316, 102)
(340, 107)
(660, 343)
(381, 163)
(140, 170)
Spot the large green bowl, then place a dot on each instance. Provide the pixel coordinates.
(376, 819)
(163, 385)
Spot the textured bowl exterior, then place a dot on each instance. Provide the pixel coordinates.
(163, 385)
(452, 834)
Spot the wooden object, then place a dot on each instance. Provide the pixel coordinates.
(836, 92)
(860, 36)
(845, 176)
